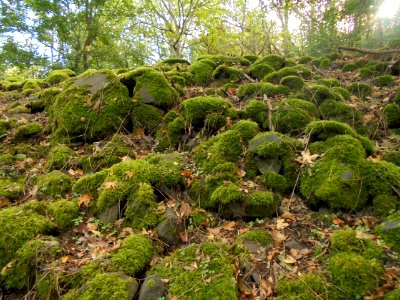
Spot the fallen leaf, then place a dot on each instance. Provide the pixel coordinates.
(92, 227)
(127, 231)
(185, 210)
(267, 288)
(187, 173)
(289, 260)
(76, 172)
(138, 133)
(4, 202)
(281, 224)
(85, 200)
(306, 158)
(110, 184)
(241, 173)
(229, 121)
(374, 159)
(82, 228)
(338, 221)
(184, 236)
(230, 226)
(214, 231)
(128, 174)
(64, 259)
(126, 158)
(116, 246)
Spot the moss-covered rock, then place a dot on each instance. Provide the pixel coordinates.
(360, 89)
(392, 115)
(274, 182)
(316, 93)
(58, 76)
(252, 90)
(393, 295)
(384, 205)
(175, 60)
(92, 106)
(17, 226)
(275, 61)
(11, 188)
(227, 74)
(20, 109)
(340, 111)
(54, 184)
(247, 129)
(298, 70)
(260, 70)
(389, 231)
(307, 286)
(212, 279)
(60, 157)
(344, 93)
(293, 82)
(147, 117)
(349, 67)
(384, 80)
(329, 82)
(353, 275)
(257, 111)
(28, 130)
(202, 70)
(63, 213)
(392, 156)
(366, 73)
(135, 253)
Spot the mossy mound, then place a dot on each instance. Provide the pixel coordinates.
(329, 82)
(21, 272)
(58, 76)
(392, 115)
(11, 188)
(392, 156)
(350, 67)
(389, 231)
(60, 157)
(175, 60)
(307, 286)
(274, 181)
(247, 129)
(298, 70)
(169, 135)
(257, 111)
(106, 154)
(384, 80)
(360, 89)
(149, 87)
(213, 278)
(63, 213)
(202, 71)
(227, 74)
(345, 95)
(19, 225)
(147, 117)
(340, 111)
(225, 59)
(91, 107)
(293, 82)
(291, 116)
(135, 253)
(353, 275)
(315, 93)
(260, 70)
(252, 90)
(54, 184)
(275, 61)
(28, 130)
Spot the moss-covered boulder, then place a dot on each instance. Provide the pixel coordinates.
(260, 70)
(135, 253)
(228, 74)
(298, 70)
(315, 93)
(92, 106)
(339, 111)
(307, 286)
(252, 90)
(353, 275)
(28, 130)
(257, 111)
(63, 213)
(275, 61)
(202, 70)
(251, 241)
(293, 82)
(349, 67)
(392, 115)
(58, 76)
(360, 89)
(60, 157)
(213, 278)
(389, 231)
(147, 117)
(384, 80)
(11, 188)
(54, 184)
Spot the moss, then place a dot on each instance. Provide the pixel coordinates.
(54, 184)
(384, 205)
(344, 93)
(293, 82)
(257, 111)
(212, 279)
(58, 76)
(202, 71)
(63, 213)
(392, 115)
(225, 59)
(60, 157)
(307, 286)
(135, 253)
(360, 89)
(317, 93)
(142, 207)
(346, 240)
(340, 111)
(325, 64)
(226, 194)
(32, 84)
(251, 90)
(260, 236)
(28, 130)
(21, 272)
(227, 74)
(168, 170)
(247, 129)
(275, 61)
(214, 122)
(92, 106)
(104, 286)
(261, 204)
(174, 131)
(389, 231)
(260, 70)
(350, 67)
(251, 58)
(392, 156)
(329, 82)
(384, 80)
(147, 117)
(18, 110)
(274, 181)
(195, 110)
(382, 178)
(174, 60)
(90, 184)
(366, 73)
(377, 67)
(11, 188)
(353, 275)
(5, 126)
(18, 225)
(396, 98)
(393, 295)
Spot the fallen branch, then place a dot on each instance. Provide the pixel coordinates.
(368, 51)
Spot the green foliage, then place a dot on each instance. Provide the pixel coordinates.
(54, 184)
(11, 188)
(28, 130)
(60, 157)
(340, 111)
(307, 286)
(360, 89)
(392, 115)
(202, 70)
(384, 80)
(63, 213)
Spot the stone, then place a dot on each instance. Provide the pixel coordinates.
(273, 138)
(110, 215)
(293, 244)
(133, 286)
(251, 246)
(93, 83)
(152, 288)
(268, 165)
(169, 228)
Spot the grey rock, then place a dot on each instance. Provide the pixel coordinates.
(152, 288)
(110, 215)
(268, 165)
(347, 176)
(133, 286)
(93, 83)
(251, 246)
(293, 244)
(145, 95)
(389, 225)
(272, 138)
(169, 229)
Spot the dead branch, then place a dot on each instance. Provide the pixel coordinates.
(369, 51)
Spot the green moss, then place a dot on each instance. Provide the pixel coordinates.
(260, 70)
(212, 279)
(63, 212)
(349, 67)
(353, 275)
(389, 231)
(141, 210)
(329, 82)
(18, 110)
(392, 156)
(147, 117)
(90, 184)
(274, 181)
(257, 111)
(30, 258)
(317, 93)
(261, 204)
(360, 89)
(384, 80)
(226, 194)
(377, 67)
(382, 177)
(58, 76)
(293, 82)
(32, 84)
(275, 61)
(170, 137)
(195, 110)
(11, 188)
(168, 170)
(392, 115)
(227, 74)
(325, 64)
(174, 60)
(54, 184)
(298, 70)
(393, 295)
(60, 157)
(366, 73)
(397, 97)
(225, 59)
(135, 253)
(5, 126)
(18, 225)
(247, 129)
(308, 286)
(251, 58)
(383, 205)
(260, 236)
(202, 71)
(214, 122)
(28, 130)
(251, 90)
(340, 111)
(344, 93)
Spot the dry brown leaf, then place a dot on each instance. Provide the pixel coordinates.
(138, 133)
(85, 200)
(229, 121)
(128, 174)
(127, 231)
(64, 259)
(185, 210)
(214, 231)
(338, 221)
(4, 202)
(116, 246)
(184, 236)
(230, 226)
(374, 159)
(241, 173)
(187, 173)
(93, 227)
(110, 184)
(76, 172)
(281, 224)
(289, 260)
(306, 158)
(267, 288)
